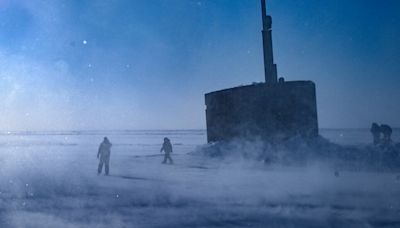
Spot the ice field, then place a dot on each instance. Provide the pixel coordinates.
(49, 179)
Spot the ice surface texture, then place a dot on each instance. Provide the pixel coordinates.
(50, 180)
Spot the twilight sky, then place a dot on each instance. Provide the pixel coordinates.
(146, 64)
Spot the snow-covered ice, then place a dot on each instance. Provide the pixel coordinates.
(49, 179)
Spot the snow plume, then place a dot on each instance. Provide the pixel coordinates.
(55, 185)
(259, 149)
(305, 152)
(43, 187)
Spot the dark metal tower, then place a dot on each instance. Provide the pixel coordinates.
(269, 66)
(271, 111)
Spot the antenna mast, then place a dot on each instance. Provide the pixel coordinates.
(270, 69)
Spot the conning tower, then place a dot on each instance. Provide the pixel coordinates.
(273, 111)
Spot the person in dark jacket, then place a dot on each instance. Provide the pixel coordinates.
(387, 133)
(104, 155)
(376, 133)
(167, 148)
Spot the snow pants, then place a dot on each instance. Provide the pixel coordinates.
(167, 156)
(106, 161)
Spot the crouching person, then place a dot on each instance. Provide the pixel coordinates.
(104, 156)
(167, 148)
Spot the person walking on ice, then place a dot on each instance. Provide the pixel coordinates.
(104, 155)
(167, 148)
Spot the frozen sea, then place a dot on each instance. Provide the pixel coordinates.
(49, 179)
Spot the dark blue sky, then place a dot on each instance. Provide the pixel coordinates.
(140, 64)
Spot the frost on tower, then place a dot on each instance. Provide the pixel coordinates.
(273, 111)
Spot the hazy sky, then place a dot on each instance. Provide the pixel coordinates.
(146, 64)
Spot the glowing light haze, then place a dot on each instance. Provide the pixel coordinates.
(93, 64)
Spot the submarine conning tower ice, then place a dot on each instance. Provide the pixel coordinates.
(273, 111)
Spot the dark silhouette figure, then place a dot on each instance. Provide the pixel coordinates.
(387, 133)
(104, 155)
(167, 148)
(376, 133)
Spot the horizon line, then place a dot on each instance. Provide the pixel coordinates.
(162, 129)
